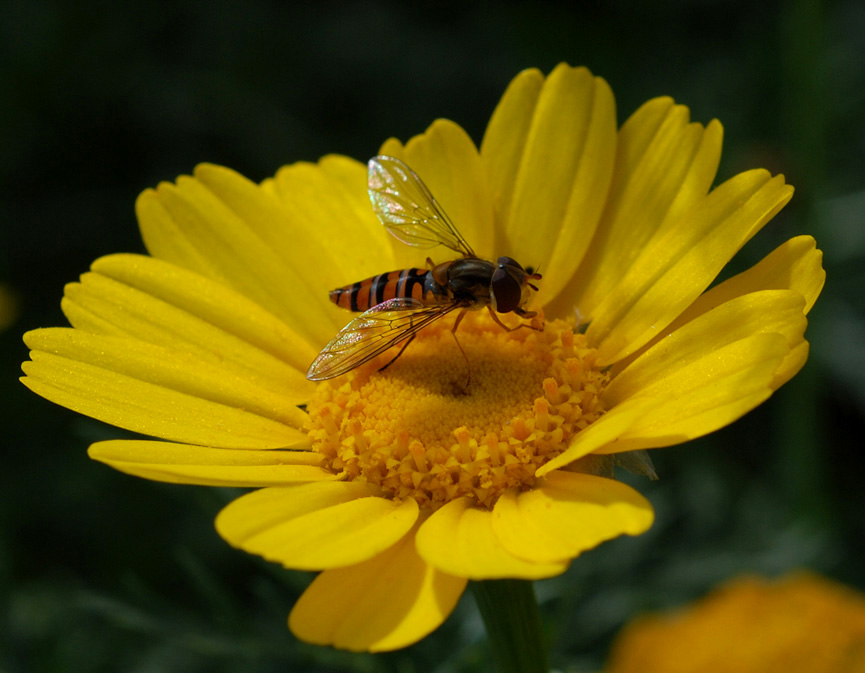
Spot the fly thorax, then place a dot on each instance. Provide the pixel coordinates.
(469, 280)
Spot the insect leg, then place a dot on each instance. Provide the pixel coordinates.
(405, 345)
(408, 341)
(521, 313)
(459, 345)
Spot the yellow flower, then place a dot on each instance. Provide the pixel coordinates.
(401, 485)
(800, 623)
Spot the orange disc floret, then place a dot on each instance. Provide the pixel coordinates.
(416, 431)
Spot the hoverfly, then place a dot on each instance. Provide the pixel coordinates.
(398, 304)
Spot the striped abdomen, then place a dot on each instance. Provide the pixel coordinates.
(365, 294)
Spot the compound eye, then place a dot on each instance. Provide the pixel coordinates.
(508, 261)
(506, 290)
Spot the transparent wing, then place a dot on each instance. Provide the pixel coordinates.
(407, 208)
(372, 333)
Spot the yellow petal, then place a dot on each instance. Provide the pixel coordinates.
(794, 265)
(664, 166)
(505, 137)
(791, 365)
(305, 245)
(608, 428)
(224, 227)
(549, 150)
(388, 602)
(209, 466)
(707, 394)
(151, 390)
(678, 264)
(659, 370)
(150, 300)
(458, 539)
(566, 514)
(447, 161)
(330, 198)
(316, 526)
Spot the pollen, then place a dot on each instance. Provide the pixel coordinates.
(436, 425)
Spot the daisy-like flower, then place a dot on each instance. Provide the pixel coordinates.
(800, 624)
(401, 485)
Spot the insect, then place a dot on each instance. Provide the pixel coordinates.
(398, 304)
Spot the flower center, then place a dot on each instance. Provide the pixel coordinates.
(417, 431)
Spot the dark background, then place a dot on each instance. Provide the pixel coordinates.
(103, 572)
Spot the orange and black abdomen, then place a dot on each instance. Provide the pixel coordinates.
(365, 294)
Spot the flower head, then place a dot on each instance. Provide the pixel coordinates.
(401, 484)
(751, 625)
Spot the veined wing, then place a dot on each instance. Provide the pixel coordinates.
(407, 208)
(372, 333)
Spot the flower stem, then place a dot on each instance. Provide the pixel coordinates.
(510, 614)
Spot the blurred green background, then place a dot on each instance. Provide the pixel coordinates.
(104, 572)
